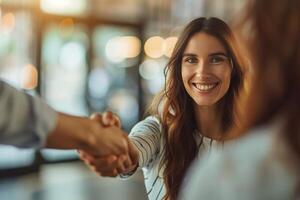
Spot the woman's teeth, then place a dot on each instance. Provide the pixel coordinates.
(204, 87)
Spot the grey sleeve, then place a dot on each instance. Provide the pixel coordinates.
(25, 120)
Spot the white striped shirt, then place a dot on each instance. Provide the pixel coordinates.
(147, 137)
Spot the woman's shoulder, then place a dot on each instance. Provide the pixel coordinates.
(149, 124)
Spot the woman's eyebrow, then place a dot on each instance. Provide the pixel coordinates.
(219, 54)
(189, 54)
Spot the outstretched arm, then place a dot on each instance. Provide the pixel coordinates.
(27, 121)
(86, 134)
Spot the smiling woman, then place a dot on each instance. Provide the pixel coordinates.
(192, 114)
(204, 79)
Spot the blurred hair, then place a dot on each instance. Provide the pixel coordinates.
(175, 108)
(275, 46)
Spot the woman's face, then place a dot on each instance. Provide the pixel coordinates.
(206, 69)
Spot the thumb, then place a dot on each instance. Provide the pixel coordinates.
(98, 117)
(111, 119)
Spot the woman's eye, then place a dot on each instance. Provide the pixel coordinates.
(191, 60)
(217, 59)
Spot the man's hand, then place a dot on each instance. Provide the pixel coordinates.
(88, 135)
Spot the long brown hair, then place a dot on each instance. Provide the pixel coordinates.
(177, 115)
(275, 46)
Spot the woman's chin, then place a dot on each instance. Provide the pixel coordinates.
(204, 102)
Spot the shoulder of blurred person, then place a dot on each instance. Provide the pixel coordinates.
(258, 166)
(25, 120)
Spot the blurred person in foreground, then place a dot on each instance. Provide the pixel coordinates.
(28, 122)
(265, 164)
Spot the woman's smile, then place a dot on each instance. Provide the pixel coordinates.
(205, 87)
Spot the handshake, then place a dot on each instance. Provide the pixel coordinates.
(116, 155)
(101, 143)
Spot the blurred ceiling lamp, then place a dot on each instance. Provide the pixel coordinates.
(118, 49)
(66, 27)
(29, 77)
(64, 7)
(8, 22)
(154, 47)
(170, 43)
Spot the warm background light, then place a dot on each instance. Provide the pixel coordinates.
(65, 7)
(29, 76)
(119, 48)
(66, 26)
(170, 43)
(132, 46)
(154, 47)
(8, 22)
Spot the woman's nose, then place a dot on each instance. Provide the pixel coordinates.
(201, 67)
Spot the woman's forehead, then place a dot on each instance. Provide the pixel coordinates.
(203, 43)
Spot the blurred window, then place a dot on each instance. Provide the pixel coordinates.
(113, 79)
(77, 64)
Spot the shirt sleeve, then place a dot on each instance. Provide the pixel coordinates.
(146, 137)
(25, 120)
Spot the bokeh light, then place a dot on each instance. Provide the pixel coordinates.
(170, 43)
(72, 55)
(8, 22)
(149, 69)
(29, 77)
(66, 27)
(65, 7)
(98, 83)
(118, 49)
(125, 105)
(154, 47)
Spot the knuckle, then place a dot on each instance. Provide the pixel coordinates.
(95, 115)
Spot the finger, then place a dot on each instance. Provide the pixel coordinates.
(105, 164)
(119, 140)
(114, 173)
(96, 117)
(85, 156)
(127, 162)
(111, 119)
(88, 163)
(120, 164)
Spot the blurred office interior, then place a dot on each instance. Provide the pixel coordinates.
(85, 56)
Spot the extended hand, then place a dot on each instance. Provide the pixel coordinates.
(89, 135)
